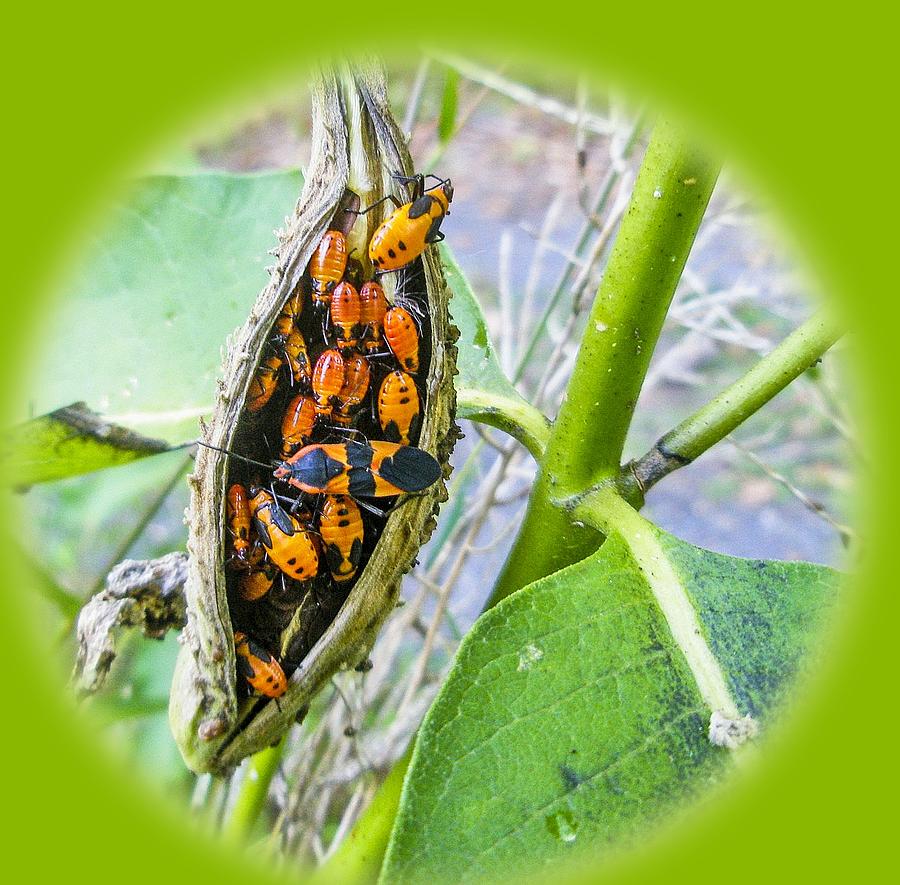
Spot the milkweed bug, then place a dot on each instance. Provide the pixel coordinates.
(327, 265)
(257, 582)
(341, 527)
(290, 313)
(373, 306)
(345, 314)
(297, 425)
(403, 236)
(264, 383)
(288, 544)
(297, 358)
(398, 407)
(328, 379)
(237, 508)
(262, 672)
(354, 390)
(402, 337)
(363, 470)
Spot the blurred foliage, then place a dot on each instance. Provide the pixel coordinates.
(68, 442)
(174, 271)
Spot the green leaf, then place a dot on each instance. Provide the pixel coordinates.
(571, 719)
(174, 271)
(483, 392)
(761, 617)
(449, 104)
(68, 442)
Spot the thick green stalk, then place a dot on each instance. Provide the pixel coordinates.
(714, 421)
(253, 791)
(585, 445)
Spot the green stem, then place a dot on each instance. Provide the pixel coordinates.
(518, 418)
(253, 791)
(585, 445)
(714, 421)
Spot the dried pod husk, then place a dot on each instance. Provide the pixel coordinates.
(357, 145)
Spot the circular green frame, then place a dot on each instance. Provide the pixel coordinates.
(792, 105)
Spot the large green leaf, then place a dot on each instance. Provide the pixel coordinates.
(571, 717)
(484, 393)
(176, 268)
(68, 442)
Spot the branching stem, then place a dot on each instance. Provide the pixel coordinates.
(721, 415)
(585, 444)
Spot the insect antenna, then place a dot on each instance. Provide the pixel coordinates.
(197, 442)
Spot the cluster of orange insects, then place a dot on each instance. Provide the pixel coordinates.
(337, 391)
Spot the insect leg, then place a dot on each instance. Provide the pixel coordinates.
(368, 209)
(418, 182)
(377, 511)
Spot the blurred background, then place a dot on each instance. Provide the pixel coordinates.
(542, 167)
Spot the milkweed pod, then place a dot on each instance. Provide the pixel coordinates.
(205, 692)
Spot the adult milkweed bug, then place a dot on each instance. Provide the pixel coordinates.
(345, 314)
(262, 672)
(297, 424)
(363, 470)
(402, 337)
(341, 528)
(403, 236)
(356, 386)
(327, 265)
(288, 544)
(398, 407)
(373, 306)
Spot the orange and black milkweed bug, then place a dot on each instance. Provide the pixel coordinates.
(404, 234)
(262, 672)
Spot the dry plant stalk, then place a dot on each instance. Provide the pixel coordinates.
(356, 144)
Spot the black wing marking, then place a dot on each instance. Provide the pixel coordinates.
(421, 207)
(263, 531)
(361, 483)
(410, 469)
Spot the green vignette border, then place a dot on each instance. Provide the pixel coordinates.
(85, 786)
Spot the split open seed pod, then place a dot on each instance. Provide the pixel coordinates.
(356, 148)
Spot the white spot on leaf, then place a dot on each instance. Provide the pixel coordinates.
(529, 656)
